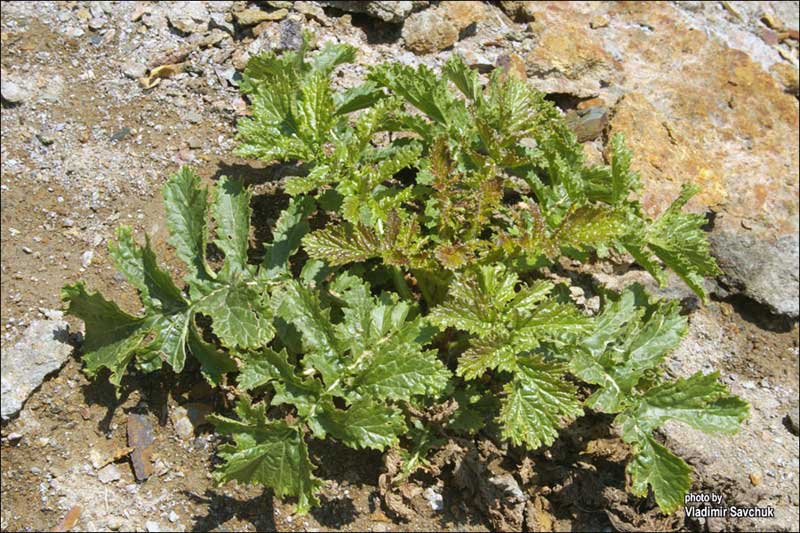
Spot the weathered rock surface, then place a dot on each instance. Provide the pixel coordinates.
(764, 271)
(387, 11)
(438, 28)
(42, 350)
(520, 11)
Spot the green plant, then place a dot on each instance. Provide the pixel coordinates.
(422, 285)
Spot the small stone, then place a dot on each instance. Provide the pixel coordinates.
(35, 470)
(194, 117)
(434, 499)
(310, 10)
(141, 439)
(152, 526)
(793, 418)
(251, 17)
(114, 523)
(429, 31)
(96, 23)
(756, 478)
(13, 437)
(52, 314)
(120, 134)
(109, 473)
(589, 123)
(86, 258)
(512, 66)
(54, 89)
(45, 138)
(27, 250)
(134, 70)
(173, 516)
(291, 33)
(221, 22)
(67, 222)
(598, 22)
(161, 467)
(12, 92)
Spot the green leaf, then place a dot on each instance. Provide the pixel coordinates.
(292, 225)
(331, 56)
(301, 306)
(214, 363)
(628, 339)
(297, 185)
(463, 77)
(358, 97)
(271, 453)
(655, 465)
(112, 336)
(268, 366)
(342, 244)
(164, 325)
(232, 213)
(186, 204)
(492, 352)
(623, 180)
(505, 321)
(700, 401)
(421, 88)
(538, 401)
(476, 301)
(679, 241)
(240, 313)
(365, 424)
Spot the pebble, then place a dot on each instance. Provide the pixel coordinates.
(96, 23)
(793, 418)
(86, 258)
(434, 499)
(173, 516)
(68, 223)
(194, 117)
(109, 473)
(27, 250)
(114, 523)
(134, 70)
(152, 526)
(13, 93)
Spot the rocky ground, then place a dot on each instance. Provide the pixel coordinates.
(101, 101)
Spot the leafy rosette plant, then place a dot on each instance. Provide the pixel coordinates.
(437, 200)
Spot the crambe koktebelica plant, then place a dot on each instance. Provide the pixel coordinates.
(438, 201)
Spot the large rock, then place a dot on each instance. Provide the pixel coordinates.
(764, 271)
(394, 12)
(439, 28)
(566, 61)
(43, 349)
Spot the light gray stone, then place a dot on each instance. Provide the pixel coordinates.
(42, 350)
(108, 474)
(394, 12)
(764, 271)
(134, 70)
(13, 92)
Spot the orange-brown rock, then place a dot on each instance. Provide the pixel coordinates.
(692, 107)
(439, 27)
